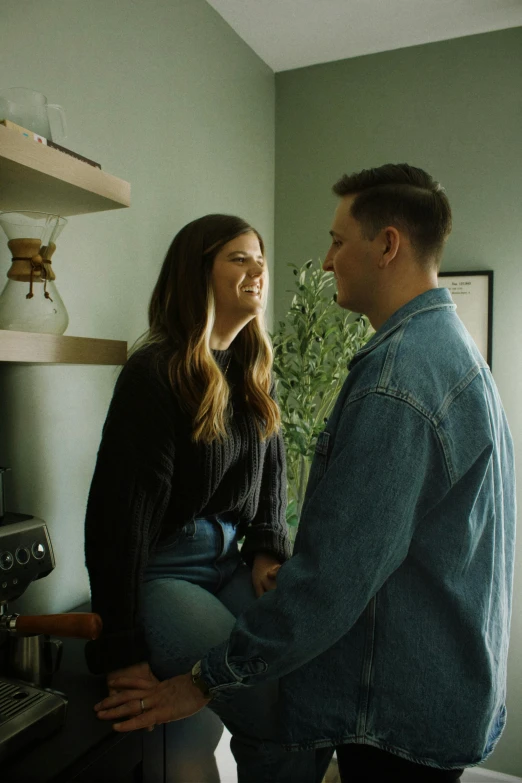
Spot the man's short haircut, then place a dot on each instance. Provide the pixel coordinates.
(402, 196)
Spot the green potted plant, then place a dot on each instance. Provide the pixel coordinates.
(312, 349)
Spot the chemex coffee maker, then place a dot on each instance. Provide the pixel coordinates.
(29, 708)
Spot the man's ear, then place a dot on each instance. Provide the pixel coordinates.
(391, 243)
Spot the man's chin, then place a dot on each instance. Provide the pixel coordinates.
(342, 302)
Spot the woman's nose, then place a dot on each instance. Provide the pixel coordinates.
(255, 271)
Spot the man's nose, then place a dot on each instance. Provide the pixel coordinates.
(327, 263)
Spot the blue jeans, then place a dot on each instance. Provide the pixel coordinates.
(194, 588)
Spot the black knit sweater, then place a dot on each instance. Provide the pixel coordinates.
(151, 479)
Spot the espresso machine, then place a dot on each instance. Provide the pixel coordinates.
(29, 708)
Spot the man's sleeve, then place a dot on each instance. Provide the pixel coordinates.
(385, 472)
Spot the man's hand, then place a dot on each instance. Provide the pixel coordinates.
(143, 703)
(141, 671)
(264, 572)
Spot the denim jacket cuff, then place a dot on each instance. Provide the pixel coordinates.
(221, 680)
(224, 679)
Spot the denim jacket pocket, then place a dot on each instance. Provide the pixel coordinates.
(320, 460)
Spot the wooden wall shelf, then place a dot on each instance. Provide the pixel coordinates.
(36, 177)
(33, 348)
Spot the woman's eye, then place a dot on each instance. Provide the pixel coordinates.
(238, 258)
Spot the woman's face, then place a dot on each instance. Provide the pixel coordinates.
(240, 278)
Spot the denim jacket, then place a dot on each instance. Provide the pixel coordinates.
(389, 625)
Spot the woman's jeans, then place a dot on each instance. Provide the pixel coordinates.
(193, 590)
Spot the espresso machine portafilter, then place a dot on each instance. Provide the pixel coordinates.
(29, 709)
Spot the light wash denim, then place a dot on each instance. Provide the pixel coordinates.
(193, 590)
(389, 625)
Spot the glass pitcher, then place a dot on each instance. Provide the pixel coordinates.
(31, 110)
(30, 301)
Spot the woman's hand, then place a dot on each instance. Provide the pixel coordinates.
(264, 573)
(143, 703)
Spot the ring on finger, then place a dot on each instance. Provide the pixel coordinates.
(142, 705)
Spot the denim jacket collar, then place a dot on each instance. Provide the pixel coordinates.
(434, 299)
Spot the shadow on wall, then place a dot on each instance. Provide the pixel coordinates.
(49, 434)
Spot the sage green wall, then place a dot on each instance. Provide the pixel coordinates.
(455, 109)
(165, 95)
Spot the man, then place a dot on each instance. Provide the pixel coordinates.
(388, 630)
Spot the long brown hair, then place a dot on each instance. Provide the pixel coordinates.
(181, 318)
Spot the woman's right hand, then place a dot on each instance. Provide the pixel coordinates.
(264, 572)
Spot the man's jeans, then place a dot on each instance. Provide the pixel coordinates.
(193, 590)
(366, 764)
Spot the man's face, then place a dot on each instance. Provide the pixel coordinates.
(352, 259)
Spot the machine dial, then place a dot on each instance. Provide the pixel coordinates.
(38, 550)
(6, 560)
(22, 555)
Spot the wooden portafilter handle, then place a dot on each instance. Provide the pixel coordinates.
(75, 625)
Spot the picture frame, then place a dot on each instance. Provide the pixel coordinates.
(472, 292)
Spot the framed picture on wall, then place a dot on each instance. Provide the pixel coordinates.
(472, 292)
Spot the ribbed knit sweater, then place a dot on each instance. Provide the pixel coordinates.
(151, 479)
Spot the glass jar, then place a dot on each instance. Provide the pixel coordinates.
(30, 301)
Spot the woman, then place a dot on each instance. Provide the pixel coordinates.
(191, 461)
